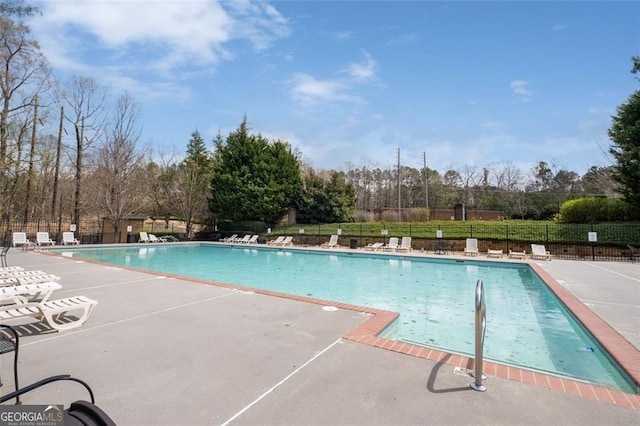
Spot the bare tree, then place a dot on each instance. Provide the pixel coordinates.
(117, 184)
(24, 73)
(84, 103)
(507, 180)
(190, 188)
(160, 177)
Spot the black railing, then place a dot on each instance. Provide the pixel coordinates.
(89, 233)
(611, 242)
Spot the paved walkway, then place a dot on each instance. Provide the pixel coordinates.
(163, 350)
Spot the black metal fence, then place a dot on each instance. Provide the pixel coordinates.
(611, 242)
(89, 233)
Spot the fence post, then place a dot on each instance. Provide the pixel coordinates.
(507, 229)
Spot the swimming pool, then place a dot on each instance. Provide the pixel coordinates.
(526, 325)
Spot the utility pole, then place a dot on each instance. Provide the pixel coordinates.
(32, 155)
(426, 185)
(399, 190)
(56, 172)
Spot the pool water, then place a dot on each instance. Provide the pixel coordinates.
(526, 325)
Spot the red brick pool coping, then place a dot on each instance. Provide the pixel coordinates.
(626, 355)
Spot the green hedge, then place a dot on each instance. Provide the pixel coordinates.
(593, 210)
(513, 230)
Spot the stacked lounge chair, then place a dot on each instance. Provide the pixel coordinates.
(27, 294)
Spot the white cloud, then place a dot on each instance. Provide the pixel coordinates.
(559, 27)
(309, 90)
(520, 89)
(364, 71)
(167, 34)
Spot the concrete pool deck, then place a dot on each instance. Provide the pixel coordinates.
(165, 350)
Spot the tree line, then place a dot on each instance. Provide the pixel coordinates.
(71, 151)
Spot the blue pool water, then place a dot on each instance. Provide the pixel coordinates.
(526, 325)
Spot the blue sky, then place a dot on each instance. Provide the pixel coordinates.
(351, 82)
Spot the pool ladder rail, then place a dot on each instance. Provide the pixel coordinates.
(481, 325)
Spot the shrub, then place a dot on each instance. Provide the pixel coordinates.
(593, 210)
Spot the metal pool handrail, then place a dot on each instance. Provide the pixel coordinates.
(481, 324)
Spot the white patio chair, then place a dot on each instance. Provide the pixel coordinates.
(43, 239)
(154, 239)
(392, 245)
(374, 246)
(69, 239)
(288, 241)
(29, 292)
(51, 312)
(494, 253)
(471, 247)
(405, 245)
(20, 239)
(253, 239)
(539, 251)
(276, 241)
(332, 243)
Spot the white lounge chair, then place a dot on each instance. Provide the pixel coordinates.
(20, 239)
(332, 243)
(374, 246)
(154, 239)
(517, 254)
(29, 292)
(392, 245)
(471, 247)
(288, 241)
(405, 245)
(144, 237)
(539, 251)
(27, 279)
(494, 253)
(69, 239)
(19, 273)
(43, 239)
(10, 269)
(277, 241)
(229, 239)
(253, 239)
(242, 240)
(51, 312)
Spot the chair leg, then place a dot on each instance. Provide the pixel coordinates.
(15, 359)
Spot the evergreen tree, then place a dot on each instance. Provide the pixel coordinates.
(191, 190)
(253, 179)
(326, 201)
(625, 135)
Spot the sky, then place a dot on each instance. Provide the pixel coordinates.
(352, 83)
